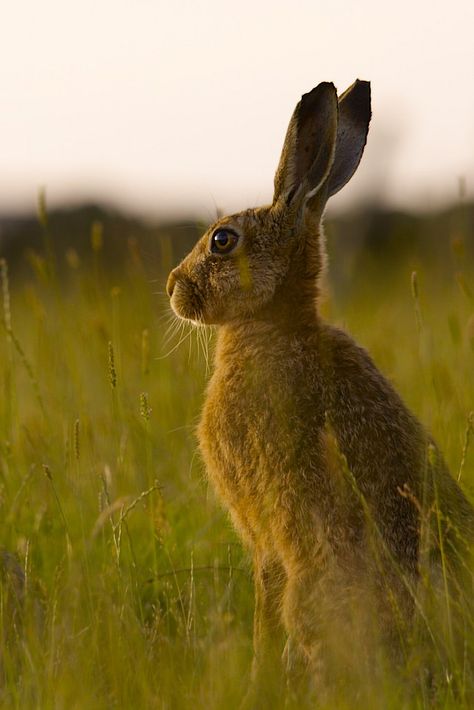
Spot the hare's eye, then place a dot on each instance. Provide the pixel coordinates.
(223, 241)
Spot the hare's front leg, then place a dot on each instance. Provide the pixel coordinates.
(270, 581)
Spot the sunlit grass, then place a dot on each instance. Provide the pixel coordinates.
(133, 591)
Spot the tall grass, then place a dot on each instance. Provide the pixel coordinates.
(123, 583)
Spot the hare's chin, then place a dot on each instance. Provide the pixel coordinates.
(189, 314)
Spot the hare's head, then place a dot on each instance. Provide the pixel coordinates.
(267, 260)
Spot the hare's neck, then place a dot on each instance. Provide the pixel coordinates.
(263, 339)
(294, 305)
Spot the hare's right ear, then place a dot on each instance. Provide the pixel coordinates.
(309, 147)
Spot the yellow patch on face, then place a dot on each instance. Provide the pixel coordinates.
(244, 270)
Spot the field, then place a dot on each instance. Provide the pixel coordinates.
(123, 583)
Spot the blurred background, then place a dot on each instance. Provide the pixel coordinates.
(165, 112)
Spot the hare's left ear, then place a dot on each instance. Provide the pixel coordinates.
(352, 129)
(309, 147)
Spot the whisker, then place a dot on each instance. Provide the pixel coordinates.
(175, 328)
(172, 329)
(168, 316)
(207, 340)
(204, 347)
(199, 340)
(190, 344)
(176, 346)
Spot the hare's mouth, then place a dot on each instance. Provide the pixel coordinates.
(186, 301)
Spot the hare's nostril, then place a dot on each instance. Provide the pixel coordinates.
(170, 284)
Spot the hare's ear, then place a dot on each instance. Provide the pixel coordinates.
(353, 126)
(309, 147)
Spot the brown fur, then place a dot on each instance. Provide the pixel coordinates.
(325, 472)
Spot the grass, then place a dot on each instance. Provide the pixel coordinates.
(132, 590)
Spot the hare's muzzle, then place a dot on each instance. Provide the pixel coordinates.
(184, 296)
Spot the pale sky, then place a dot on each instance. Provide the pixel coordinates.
(159, 105)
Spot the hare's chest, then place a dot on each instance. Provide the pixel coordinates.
(246, 420)
(250, 436)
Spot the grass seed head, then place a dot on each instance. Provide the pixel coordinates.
(112, 370)
(145, 409)
(77, 449)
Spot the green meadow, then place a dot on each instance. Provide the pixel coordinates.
(123, 583)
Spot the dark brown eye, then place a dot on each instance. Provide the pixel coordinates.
(223, 241)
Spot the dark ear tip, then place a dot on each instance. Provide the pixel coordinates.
(360, 88)
(357, 99)
(324, 88)
(322, 97)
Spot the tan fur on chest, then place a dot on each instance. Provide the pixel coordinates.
(247, 448)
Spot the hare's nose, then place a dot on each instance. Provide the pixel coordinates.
(170, 284)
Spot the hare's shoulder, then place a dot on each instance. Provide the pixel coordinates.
(354, 380)
(381, 439)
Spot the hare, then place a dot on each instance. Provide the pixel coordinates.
(327, 475)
